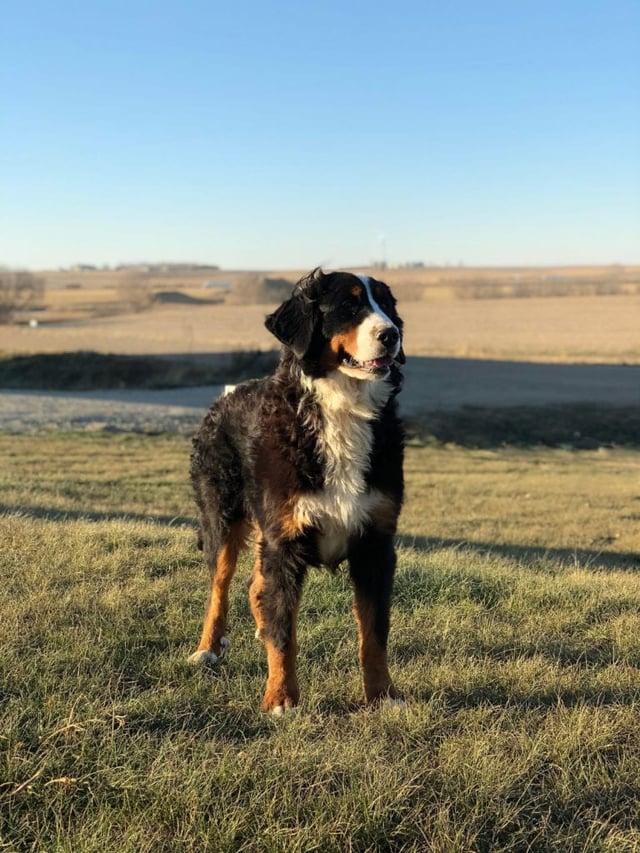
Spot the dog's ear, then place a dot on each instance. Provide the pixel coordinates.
(401, 357)
(294, 322)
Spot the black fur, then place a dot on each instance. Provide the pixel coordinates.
(260, 448)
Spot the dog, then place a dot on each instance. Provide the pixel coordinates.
(308, 462)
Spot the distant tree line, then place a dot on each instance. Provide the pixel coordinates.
(19, 291)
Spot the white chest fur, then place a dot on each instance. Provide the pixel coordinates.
(344, 505)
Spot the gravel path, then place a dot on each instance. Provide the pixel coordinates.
(177, 410)
(432, 384)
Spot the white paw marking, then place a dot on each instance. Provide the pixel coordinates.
(203, 658)
(281, 710)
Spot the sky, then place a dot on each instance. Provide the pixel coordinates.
(275, 135)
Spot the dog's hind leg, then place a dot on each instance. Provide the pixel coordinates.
(222, 562)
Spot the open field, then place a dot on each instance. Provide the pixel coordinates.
(578, 314)
(75, 291)
(516, 619)
(516, 633)
(568, 329)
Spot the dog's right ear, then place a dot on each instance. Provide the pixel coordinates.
(294, 322)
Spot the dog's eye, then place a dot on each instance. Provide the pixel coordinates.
(382, 297)
(352, 304)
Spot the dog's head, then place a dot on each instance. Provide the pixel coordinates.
(340, 321)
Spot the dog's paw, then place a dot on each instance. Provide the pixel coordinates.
(394, 702)
(281, 710)
(205, 657)
(280, 700)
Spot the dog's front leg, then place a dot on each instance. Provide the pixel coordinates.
(274, 594)
(372, 562)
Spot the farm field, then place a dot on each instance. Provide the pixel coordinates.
(582, 314)
(515, 637)
(568, 329)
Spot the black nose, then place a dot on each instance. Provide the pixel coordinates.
(389, 336)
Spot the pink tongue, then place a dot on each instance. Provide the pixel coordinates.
(379, 362)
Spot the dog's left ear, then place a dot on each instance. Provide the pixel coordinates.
(401, 357)
(293, 323)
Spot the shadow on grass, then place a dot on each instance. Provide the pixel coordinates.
(506, 697)
(45, 513)
(597, 560)
(578, 426)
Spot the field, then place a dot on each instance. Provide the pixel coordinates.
(516, 616)
(583, 314)
(515, 637)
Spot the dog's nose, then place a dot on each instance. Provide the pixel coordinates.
(388, 337)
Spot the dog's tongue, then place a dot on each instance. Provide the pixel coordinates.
(378, 363)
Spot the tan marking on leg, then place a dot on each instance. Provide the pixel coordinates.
(256, 588)
(282, 691)
(215, 620)
(373, 657)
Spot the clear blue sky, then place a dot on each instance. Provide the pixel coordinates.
(288, 134)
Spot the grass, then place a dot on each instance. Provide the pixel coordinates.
(515, 631)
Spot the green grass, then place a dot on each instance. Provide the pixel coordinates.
(515, 633)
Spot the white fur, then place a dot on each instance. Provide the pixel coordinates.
(344, 505)
(204, 657)
(367, 343)
(390, 702)
(281, 710)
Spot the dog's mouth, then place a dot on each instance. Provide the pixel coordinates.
(375, 366)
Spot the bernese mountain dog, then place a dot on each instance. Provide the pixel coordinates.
(308, 463)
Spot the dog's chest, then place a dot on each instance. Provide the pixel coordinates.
(345, 503)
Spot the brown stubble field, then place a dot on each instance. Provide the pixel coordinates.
(585, 314)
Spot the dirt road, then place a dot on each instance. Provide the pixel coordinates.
(432, 384)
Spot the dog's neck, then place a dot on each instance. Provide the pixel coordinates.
(338, 392)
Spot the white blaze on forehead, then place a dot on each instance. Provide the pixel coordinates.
(367, 342)
(384, 320)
